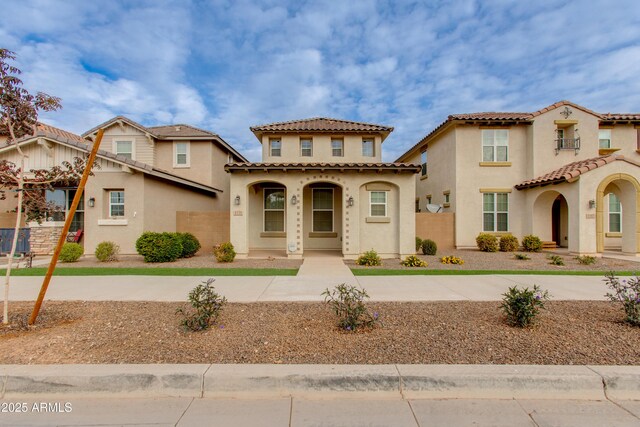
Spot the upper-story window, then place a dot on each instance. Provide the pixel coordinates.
(337, 147)
(367, 147)
(181, 154)
(495, 145)
(306, 147)
(123, 148)
(423, 162)
(275, 147)
(604, 137)
(229, 158)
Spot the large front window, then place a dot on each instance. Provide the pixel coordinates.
(615, 214)
(378, 203)
(274, 199)
(496, 211)
(60, 202)
(495, 145)
(322, 206)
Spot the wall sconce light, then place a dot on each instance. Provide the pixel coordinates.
(294, 199)
(237, 200)
(350, 201)
(92, 202)
(592, 204)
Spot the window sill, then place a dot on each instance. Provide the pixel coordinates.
(446, 205)
(605, 151)
(113, 222)
(495, 164)
(322, 234)
(181, 166)
(498, 233)
(377, 219)
(423, 177)
(273, 234)
(613, 234)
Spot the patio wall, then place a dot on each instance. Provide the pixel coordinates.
(439, 227)
(210, 228)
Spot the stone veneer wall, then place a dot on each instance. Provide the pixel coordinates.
(44, 237)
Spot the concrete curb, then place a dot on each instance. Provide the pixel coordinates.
(402, 381)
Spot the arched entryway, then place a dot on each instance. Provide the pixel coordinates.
(551, 218)
(626, 190)
(322, 206)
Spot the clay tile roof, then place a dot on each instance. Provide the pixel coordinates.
(397, 167)
(48, 130)
(321, 124)
(491, 116)
(621, 116)
(180, 130)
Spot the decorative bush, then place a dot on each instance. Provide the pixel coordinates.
(555, 260)
(626, 293)
(509, 243)
(224, 252)
(521, 306)
(107, 251)
(369, 258)
(413, 261)
(429, 247)
(159, 247)
(206, 306)
(451, 260)
(190, 244)
(521, 256)
(586, 259)
(418, 244)
(348, 304)
(487, 242)
(531, 243)
(71, 252)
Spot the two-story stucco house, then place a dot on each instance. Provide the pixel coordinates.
(322, 185)
(146, 176)
(564, 173)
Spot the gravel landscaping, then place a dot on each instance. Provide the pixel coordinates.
(435, 332)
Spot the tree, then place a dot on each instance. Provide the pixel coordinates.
(18, 119)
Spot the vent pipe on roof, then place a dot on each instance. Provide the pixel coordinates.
(177, 128)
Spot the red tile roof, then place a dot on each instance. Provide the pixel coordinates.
(491, 116)
(321, 124)
(180, 131)
(397, 167)
(48, 130)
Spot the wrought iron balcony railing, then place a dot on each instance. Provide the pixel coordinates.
(568, 144)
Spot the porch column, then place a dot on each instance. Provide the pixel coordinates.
(294, 220)
(407, 218)
(239, 217)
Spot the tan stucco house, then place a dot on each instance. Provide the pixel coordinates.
(564, 173)
(322, 185)
(147, 178)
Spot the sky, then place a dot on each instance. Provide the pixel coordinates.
(227, 65)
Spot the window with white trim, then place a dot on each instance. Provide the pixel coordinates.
(615, 214)
(322, 209)
(306, 147)
(367, 147)
(275, 147)
(337, 147)
(495, 145)
(123, 148)
(604, 138)
(423, 162)
(378, 203)
(181, 154)
(495, 210)
(274, 200)
(116, 203)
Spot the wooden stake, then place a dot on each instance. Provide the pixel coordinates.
(65, 229)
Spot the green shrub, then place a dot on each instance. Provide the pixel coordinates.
(586, 259)
(418, 244)
(509, 243)
(369, 258)
(487, 242)
(521, 306)
(451, 260)
(429, 247)
(626, 293)
(555, 260)
(159, 247)
(413, 261)
(206, 306)
(521, 256)
(107, 251)
(224, 252)
(348, 304)
(71, 252)
(531, 243)
(190, 244)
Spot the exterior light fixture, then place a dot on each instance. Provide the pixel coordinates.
(92, 202)
(237, 200)
(350, 201)
(592, 204)
(294, 199)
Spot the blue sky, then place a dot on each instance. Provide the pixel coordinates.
(227, 65)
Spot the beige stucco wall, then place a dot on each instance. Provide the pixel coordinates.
(322, 149)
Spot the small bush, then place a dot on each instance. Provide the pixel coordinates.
(107, 251)
(531, 243)
(509, 243)
(159, 247)
(413, 261)
(555, 260)
(521, 306)
(452, 260)
(626, 293)
(487, 242)
(369, 258)
(418, 244)
(586, 259)
(521, 256)
(206, 306)
(429, 247)
(224, 252)
(348, 304)
(190, 244)
(71, 252)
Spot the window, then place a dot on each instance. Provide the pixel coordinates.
(378, 203)
(274, 209)
(275, 147)
(423, 161)
(322, 206)
(495, 145)
(604, 136)
(229, 158)
(615, 214)
(367, 147)
(306, 147)
(560, 134)
(59, 200)
(337, 147)
(124, 148)
(181, 154)
(496, 211)
(446, 198)
(116, 203)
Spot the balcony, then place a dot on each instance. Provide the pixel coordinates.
(568, 144)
